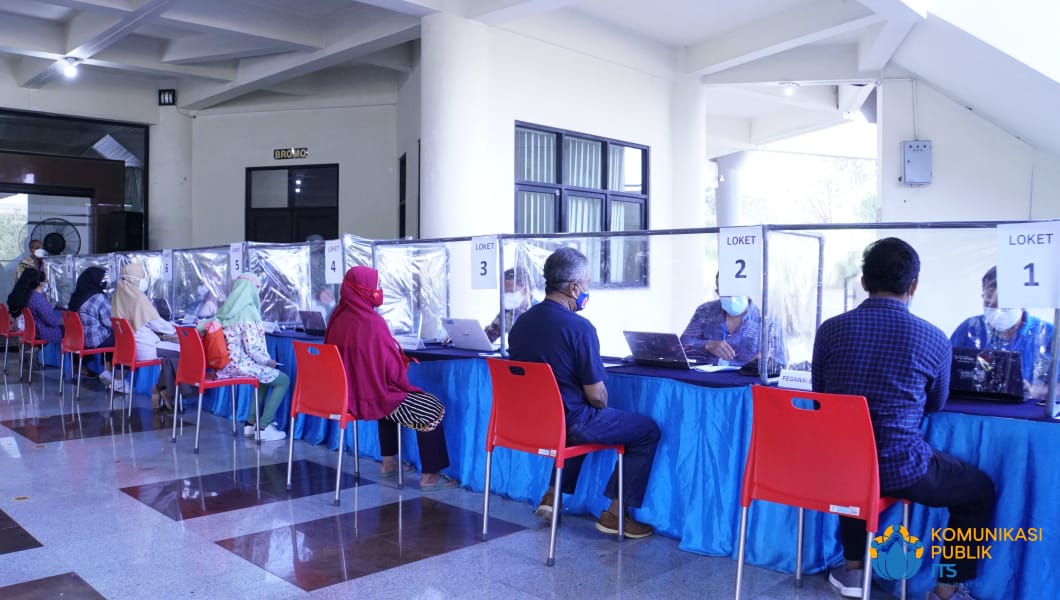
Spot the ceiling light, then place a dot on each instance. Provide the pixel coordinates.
(790, 87)
(70, 68)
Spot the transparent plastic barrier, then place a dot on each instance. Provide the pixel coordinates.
(284, 272)
(200, 282)
(414, 278)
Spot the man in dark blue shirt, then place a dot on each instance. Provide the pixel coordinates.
(901, 364)
(551, 332)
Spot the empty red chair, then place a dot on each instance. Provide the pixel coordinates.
(528, 416)
(191, 370)
(320, 390)
(7, 334)
(125, 356)
(822, 458)
(74, 343)
(29, 338)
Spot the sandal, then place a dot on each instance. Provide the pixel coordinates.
(406, 467)
(444, 482)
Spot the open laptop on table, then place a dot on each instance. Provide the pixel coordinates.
(467, 334)
(312, 322)
(657, 350)
(995, 375)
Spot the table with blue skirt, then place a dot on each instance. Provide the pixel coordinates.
(694, 490)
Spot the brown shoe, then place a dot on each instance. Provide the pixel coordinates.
(608, 523)
(545, 508)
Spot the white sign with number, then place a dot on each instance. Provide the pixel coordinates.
(740, 261)
(235, 261)
(167, 265)
(1028, 273)
(484, 263)
(334, 267)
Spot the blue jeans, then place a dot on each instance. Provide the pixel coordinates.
(639, 434)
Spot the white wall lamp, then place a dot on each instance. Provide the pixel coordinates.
(69, 67)
(790, 87)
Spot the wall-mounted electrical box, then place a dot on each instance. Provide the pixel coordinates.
(916, 162)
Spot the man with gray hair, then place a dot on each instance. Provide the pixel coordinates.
(551, 332)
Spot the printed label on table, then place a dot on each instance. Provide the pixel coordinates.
(235, 261)
(795, 380)
(740, 261)
(1027, 269)
(484, 263)
(334, 267)
(850, 511)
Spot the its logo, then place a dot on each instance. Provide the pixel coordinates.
(896, 554)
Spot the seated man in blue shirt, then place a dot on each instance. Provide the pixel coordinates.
(901, 364)
(1010, 329)
(727, 331)
(551, 332)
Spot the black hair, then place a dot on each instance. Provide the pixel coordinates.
(19, 296)
(89, 283)
(518, 276)
(564, 266)
(889, 265)
(990, 278)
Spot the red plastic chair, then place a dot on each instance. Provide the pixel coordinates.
(191, 370)
(29, 338)
(320, 390)
(74, 343)
(528, 416)
(822, 458)
(125, 356)
(7, 334)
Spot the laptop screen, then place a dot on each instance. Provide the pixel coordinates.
(992, 374)
(657, 349)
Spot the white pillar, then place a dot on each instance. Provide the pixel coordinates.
(688, 140)
(728, 193)
(454, 105)
(169, 189)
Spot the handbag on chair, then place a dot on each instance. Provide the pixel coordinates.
(213, 343)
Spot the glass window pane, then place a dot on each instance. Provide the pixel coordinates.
(535, 156)
(535, 212)
(315, 186)
(626, 216)
(582, 160)
(626, 169)
(584, 213)
(268, 188)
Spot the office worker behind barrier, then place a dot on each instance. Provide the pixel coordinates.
(516, 301)
(728, 331)
(1011, 329)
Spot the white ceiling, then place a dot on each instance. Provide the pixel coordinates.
(219, 51)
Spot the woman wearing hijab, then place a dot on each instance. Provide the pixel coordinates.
(379, 387)
(28, 293)
(93, 307)
(240, 318)
(131, 303)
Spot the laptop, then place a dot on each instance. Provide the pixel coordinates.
(657, 350)
(312, 322)
(467, 334)
(995, 375)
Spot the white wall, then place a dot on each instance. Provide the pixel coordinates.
(169, 188)
(361, 139)
(408, 135)
(95, 94)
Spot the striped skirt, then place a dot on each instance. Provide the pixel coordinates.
(419, 411)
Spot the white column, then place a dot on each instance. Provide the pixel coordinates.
(453, 126)
(688, 139)
(169, 189)
(728, 193)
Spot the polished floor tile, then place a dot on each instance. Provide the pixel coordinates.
(214, 493)
(13, 538)
(67, 586)
(328, 551)
(78, 425)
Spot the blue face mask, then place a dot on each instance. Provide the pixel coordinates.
(581, 301)
(734, 305)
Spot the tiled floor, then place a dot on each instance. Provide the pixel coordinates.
(97, 504)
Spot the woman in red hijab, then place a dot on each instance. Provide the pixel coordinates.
(379, 387)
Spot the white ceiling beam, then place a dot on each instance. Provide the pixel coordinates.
(396, 58)
(781, 126)
(31, 37)
(142, 55)
(850, 97)
(255, 74)
(820, 98)
(876, 49)
(212, 47)
(728, 131)
(809, 65)
(495, 12)
(778, 33)
(415, 8)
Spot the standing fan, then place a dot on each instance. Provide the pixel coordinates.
(58, 236)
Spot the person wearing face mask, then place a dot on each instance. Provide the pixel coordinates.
(34, 260)
(130, 302)
(28, 294)
(1010, 329)
(208, 303)
(516, 301)
(379, 387)
(552, 332)
(727, 331)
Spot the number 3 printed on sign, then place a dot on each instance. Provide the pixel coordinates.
(482, 268)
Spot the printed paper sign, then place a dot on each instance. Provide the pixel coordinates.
(740, 261)
(167, 265)
(334, 267)
(795, 380)
(235, 261)
(1027, 274)
(484, 263)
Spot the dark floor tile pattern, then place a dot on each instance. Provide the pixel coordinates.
(215, 493)
(13, 538)
(76, 425)
(67, 586)
(331, 550)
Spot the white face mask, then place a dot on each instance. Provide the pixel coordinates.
(40, 253)
(1002, 319)
(143, 285)
(512, 300)
(44, 288)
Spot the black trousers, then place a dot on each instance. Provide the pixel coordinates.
(966, 491)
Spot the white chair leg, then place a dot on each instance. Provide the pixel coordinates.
(742, 549)
(904, 584)
(257, 416)
(112, 382)
(356, 453)
(798, 548)
(400, 463)
(290, 454)
(232, 390)
(866, 580)
(32, 355)
(132, 387)
(486, 494)
(338, 469)
(198, 422)
(555, 518)
(81, 365)
(176, 411)
(621, 501)
(62, 369)
(21, 359)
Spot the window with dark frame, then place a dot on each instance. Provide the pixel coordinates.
(289, 204)
(569, 182)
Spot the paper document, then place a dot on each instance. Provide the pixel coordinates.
(715, 368)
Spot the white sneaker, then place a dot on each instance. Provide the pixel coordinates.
(106, 379)
(120, 386)
(248, 430)
(272, 434)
